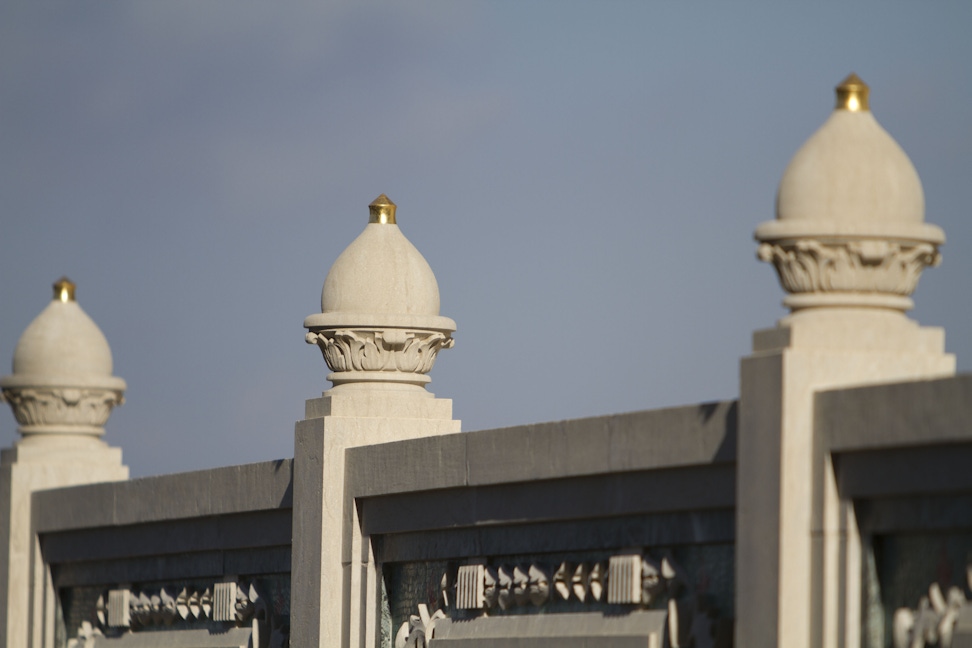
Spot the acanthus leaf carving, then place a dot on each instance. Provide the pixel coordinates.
(380, 350)
(865, 266)
(38, 406)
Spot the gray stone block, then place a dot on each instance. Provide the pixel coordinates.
(169, 497)
(251, 530)
(233, 489)
(696, 434)
(543, 451)
(915, 514)
(77, 506)
(403, 466)
(274, 560)
(156, 568)
(901, 414)
(596, 496)
(579, 630)
(249, 487)
(230, 638)
(661, 529)
(940, 468)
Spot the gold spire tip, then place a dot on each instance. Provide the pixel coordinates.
(382, 211)
(64, 290)
(852, 94)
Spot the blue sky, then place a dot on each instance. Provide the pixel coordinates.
(583, 178)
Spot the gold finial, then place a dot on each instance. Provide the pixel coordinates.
(852, 94)
(64, 290)
(382, 211)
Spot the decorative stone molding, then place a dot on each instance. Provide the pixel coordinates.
(379, 354)
(629, 579)
(933, 622)
(626, 579)
(41, 409)
(232, 603)
(849, 266)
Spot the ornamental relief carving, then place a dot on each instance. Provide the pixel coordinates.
(228, 604)
(850, 266)
(408, 351)
(62, 406)
(632, 580)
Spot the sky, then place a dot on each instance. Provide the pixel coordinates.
(583, 178)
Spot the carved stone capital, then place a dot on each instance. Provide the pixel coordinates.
(379, 354)
(62, 409)
(880, 268)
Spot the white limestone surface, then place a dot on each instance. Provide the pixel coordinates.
(849, 244)
(379, 331)
(61, 392)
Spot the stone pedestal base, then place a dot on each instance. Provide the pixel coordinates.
(33, 464)
(797, 544)
(333, 571)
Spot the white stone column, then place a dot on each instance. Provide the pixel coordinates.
(849, 244)
(62, 393)
(379, 332)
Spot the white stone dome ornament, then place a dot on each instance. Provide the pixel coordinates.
(849, 228)
(379, 319)
(62, 383)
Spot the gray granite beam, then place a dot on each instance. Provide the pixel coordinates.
(892, 472)
(599, 496)
(901, 414)
(220, 491)
(915, 514)
(241, 531)
(655, 530)
(683, 436)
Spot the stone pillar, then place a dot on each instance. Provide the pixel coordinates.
(62, 392)
(380, 331)
(849, 244)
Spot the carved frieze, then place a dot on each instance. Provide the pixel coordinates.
(380, 350)
(40, 406)
(629, 579)
(506, 586)
(864, 266)
(230, 603)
